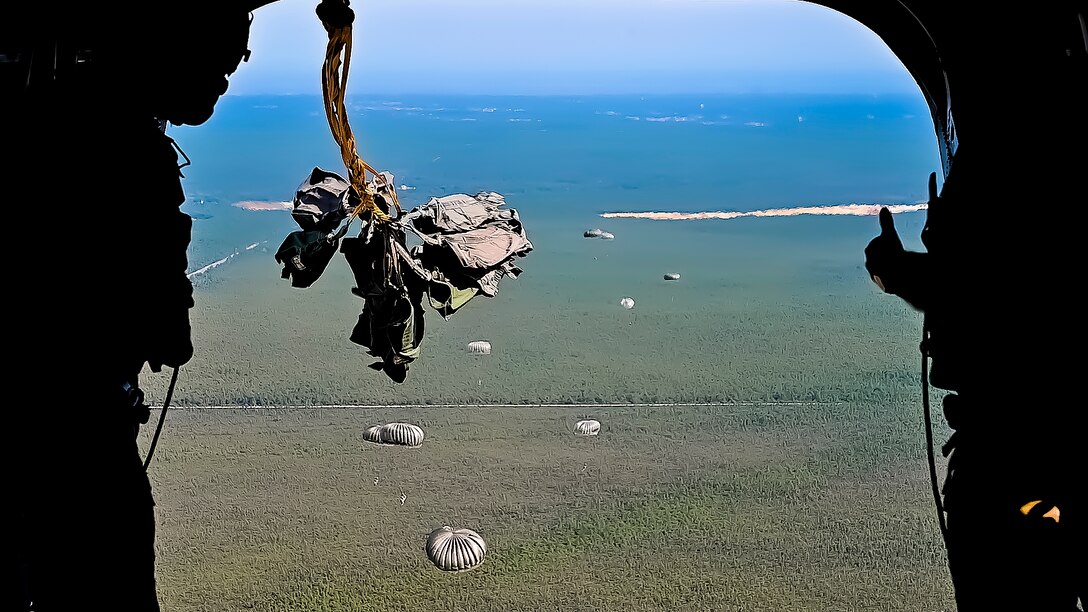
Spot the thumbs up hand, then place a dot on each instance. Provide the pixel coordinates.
(884, 254)
(895, 270)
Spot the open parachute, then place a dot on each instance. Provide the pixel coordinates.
(587, 427)
(455, 550)
(397, 434)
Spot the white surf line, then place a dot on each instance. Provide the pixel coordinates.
(210, 266)
(216, 264)
(247, 205)
(260, 205)
(857, 210)
(600, 405)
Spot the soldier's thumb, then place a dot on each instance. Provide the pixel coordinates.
(887, 226)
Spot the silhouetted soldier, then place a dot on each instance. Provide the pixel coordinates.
(92, 194)
(1001, 250)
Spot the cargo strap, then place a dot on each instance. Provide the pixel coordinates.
(337, 19)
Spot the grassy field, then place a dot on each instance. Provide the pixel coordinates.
(805, 488)
(746, 507)
(773, 310)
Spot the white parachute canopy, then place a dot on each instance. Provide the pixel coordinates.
(373, 434)
(401, 434)
(587, 427)
(455, 550)
(628, 303)
(479, 347)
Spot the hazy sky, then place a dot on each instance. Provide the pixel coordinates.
(575, 47)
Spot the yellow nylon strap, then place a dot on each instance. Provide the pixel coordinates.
(333, 86)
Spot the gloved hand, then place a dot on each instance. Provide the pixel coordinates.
(894, 269)
(884, 254)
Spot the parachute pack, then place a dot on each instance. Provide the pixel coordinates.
(468, 244)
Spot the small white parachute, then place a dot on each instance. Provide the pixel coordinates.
(627, 303)
(479, 347)
(373, 434)
(672, 276)
(587, 427)
(401, 434)
(455, 550)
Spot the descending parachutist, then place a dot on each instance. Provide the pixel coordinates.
(402, 498)
(375, 481)
(455, 550)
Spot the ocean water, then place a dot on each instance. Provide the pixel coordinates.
(758, 297)
(741, 152)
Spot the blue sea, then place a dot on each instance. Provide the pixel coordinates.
(562, 162)
(575, 157)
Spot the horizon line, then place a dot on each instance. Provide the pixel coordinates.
(601, 94)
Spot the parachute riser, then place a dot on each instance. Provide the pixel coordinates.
(334, 78)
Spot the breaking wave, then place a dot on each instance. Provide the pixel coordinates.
(215, 264)
(211, 266)
(858, 210)
(263, 205)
